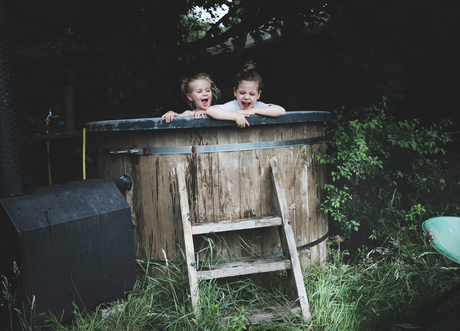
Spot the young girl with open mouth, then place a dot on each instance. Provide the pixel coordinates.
(199, 91)
(247, 90)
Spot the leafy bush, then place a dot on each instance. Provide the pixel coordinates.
(386, 176)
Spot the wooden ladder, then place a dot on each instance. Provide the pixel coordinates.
(289, 261)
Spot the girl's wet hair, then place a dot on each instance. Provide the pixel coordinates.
(186, 88)
(249, 74)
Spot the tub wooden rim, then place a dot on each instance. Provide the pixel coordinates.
(156, 123)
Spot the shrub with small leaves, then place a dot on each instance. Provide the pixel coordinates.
(386, 176)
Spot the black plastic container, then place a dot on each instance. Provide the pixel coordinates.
(71, 243)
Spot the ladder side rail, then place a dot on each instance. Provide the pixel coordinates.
(288, 243)
(188, 239)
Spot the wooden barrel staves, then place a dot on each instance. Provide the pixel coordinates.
(228, 178)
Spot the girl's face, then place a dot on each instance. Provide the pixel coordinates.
(201, 94)
(247, 94)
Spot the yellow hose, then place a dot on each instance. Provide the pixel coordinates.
(49, 161)
(84, 153)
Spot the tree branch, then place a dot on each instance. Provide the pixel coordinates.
(250, 19)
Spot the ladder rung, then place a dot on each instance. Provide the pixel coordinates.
(273, 312)
(255, 266)
(234, 225)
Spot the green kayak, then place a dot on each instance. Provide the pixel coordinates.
(444, 234)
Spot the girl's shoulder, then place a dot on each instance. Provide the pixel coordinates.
(231, 106)
(262, 104)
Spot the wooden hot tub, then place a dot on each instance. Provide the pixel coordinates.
(228, 178)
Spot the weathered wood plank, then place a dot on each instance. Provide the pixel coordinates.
(273, 313)
(229, 192)
(267, 133)
(312, 230)
(129, 170)
(249, 175)
(270, 241)
(248, 267)
(147, 207)
(159, 235)
(321, 177)
(234, 225)
(249, 178)
(287, 161)
(166, 233)
(208, 206)
(134, 197)
(303, 202)
(228, 172)
(321, 217)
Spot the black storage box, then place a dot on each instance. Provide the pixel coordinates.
(71, 243)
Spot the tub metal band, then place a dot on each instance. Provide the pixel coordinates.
(268, 255)
(216, 148)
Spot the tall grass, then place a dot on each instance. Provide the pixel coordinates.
(377, 290)
(381, 288)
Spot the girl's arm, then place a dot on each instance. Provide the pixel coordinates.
(220, 114)
(272, 111)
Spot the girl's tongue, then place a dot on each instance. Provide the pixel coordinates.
(204, 102)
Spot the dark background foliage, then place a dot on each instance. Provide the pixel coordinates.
(125, 58)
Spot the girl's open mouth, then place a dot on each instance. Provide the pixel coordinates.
(204, 102)
(245, 105)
